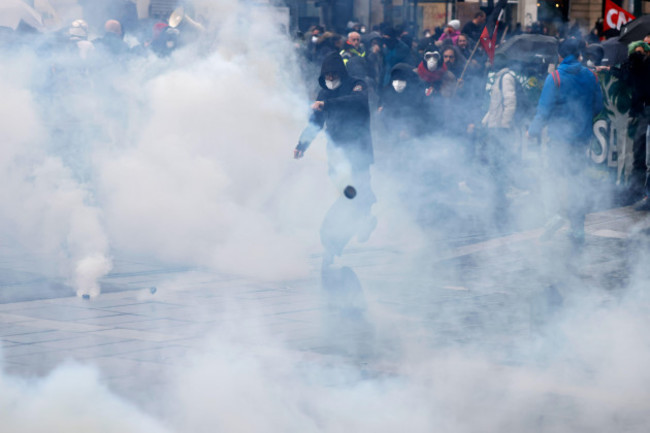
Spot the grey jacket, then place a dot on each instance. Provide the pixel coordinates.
(503, 101)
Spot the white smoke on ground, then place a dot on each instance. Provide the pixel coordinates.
(585, 372)
(71, 398)
(47, 214)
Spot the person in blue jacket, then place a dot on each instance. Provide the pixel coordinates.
(570, 99)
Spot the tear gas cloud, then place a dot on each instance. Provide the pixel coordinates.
(187, 160)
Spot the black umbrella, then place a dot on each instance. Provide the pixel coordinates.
(614, 52)
(527, 46)
(635, 30)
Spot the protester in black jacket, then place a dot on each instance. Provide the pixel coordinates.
(404, 107)
(342, 108)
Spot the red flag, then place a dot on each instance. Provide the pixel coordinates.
(615, 16)
(489, 42)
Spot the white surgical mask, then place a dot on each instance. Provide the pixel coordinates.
(333, 84)
(314, 39)
(432, 63)
(399, 85)
(590, 64)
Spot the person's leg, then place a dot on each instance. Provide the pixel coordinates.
(578, 190)
(498, 162)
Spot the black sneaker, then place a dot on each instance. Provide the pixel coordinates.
(643, 204)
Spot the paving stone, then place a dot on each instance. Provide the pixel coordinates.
(114, 320)
(172, 355)
(39, 337)
(157, 325)
(37, 364)
(8, 330)
(21, 349)
(114, 367)
(152, 308)
(80, 341)
(62, 312)
(116, 349)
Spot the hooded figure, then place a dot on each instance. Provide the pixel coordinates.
(395, 51)
(342, 108)
(570, 99)
(404, 103)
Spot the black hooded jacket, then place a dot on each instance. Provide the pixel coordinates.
(639, 66)
(407, 111)
(345, 114)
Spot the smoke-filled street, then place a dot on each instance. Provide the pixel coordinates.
(203, 350)
(213, 222)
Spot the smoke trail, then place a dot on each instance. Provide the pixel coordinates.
(47, 215)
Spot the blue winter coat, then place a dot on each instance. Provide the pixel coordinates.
(568, 109)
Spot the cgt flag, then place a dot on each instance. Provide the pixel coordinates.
(615, 16)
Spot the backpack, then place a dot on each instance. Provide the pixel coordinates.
(525, 105)
(556, 77)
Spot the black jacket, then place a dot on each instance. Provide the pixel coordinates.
(345, 114)
(639, 70)
(407, 111)
(473, 31)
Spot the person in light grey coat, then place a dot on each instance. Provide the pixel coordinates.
(499, 146)
(503, 101)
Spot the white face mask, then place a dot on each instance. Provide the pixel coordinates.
(590, 64)
(399, 85)
(314, 39)
(333, 84)
(432, 63)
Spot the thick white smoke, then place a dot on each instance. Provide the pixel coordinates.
(72, 398)
(47, 214)
(192, 165)
(208, 179)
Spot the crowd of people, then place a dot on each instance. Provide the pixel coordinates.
(445, 87)
(385, 85)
